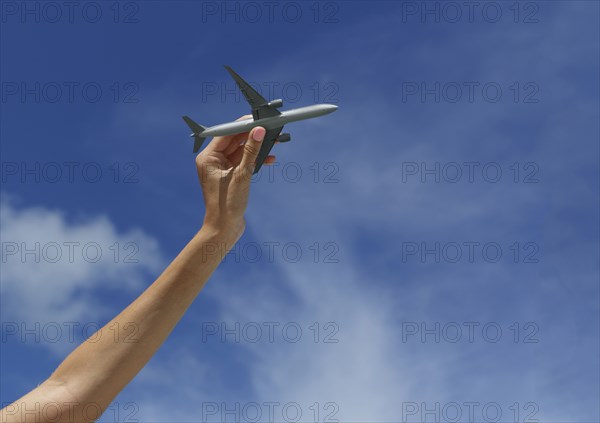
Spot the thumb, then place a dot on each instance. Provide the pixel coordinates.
(252, 148)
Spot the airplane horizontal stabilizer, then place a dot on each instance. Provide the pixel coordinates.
(197, 131)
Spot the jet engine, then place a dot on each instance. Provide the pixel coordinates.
(284, 137)
(276, 103)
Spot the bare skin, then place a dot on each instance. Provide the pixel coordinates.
(88, 380)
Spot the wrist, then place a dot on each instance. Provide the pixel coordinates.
(224, 232)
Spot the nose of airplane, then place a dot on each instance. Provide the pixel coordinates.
(330, 108)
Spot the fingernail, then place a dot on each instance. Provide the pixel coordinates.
(259, 133)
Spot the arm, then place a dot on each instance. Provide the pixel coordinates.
(95, 372)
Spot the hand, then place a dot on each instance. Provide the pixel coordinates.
(225, 169)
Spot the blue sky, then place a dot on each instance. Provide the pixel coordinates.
(354, 214)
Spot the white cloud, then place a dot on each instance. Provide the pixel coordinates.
(369, 372)
(55, 268)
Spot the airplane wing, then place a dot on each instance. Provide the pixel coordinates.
(260, 106)
(267, 145)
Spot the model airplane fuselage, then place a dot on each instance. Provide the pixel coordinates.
(264, 113)
(273, 122)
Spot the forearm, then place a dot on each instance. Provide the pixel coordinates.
(99, 369)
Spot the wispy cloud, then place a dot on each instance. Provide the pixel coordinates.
(370, 373)
(58, 268)
(371, 293)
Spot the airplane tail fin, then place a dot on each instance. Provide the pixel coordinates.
(197, 133)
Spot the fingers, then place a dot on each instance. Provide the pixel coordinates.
(208, 164)
(236, 156)
(218, 144)
(252, 147)
(236, 142)
(229, 141)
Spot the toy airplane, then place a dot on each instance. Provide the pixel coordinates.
(265, 114)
